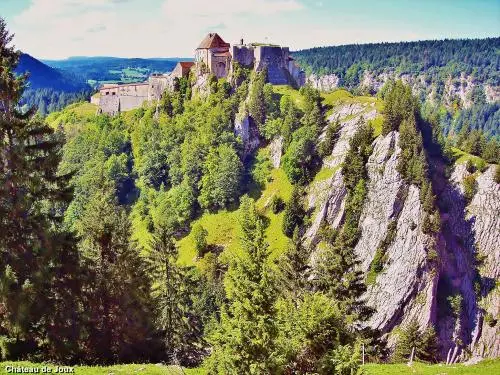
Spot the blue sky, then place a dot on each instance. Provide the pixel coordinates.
(167, 28)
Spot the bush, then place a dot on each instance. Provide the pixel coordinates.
(471, 168)
(496, 177)
(470, 187)
(294, 213)
(200, 239)
(277, 204)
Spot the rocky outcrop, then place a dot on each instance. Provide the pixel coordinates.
(455, 88)
(276, 150)
(323, 83)
(326, 198)
(245, 128)
(484, 212)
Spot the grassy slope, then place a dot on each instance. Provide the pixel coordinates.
(483, 368)
(224, 229)
(142, 369)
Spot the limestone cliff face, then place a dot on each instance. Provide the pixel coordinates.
(413, 285)
(475, 244)
(454, 88)
(485, 210)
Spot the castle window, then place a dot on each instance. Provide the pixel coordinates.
(107, 92)
(113, 93)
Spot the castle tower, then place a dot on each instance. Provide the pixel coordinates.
(213, 52)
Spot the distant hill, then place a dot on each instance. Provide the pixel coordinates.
(44, 76)
(434, 57)
(106, 69)
(50, 89)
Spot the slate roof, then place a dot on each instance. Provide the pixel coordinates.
(213, 40)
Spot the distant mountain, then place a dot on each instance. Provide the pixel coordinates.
(50, 89)
(105, 69)
(42, 76)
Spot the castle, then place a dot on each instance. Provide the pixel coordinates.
(213, 56)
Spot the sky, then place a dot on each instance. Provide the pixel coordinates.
(57, 29)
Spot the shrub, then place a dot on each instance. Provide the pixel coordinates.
(277, 204)
(496, 177)
(200, 239)
(471, 168)
(488, 319)
(470, 187)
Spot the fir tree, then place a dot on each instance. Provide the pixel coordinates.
(245, 342)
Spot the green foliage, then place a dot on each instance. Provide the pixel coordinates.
(424, 342)
(331, 135)
(455, 303)
(380, 258)
(399, 105)
(261, 169)
(470, 187)
(257, 100)
(300, 154)
(220, 183)
(245, 340)
(311, 332)
(496, 175)
(294, 213)
(277, 204)
(200, 239)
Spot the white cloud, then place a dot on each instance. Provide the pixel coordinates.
(62, 28)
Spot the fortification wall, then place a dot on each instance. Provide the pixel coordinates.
(131, 102)
(158, 84)
(133, 89)
(109, 104)
(243, 55)
(273, 58)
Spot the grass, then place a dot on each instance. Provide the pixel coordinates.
(294, 94)
(324, 174)
(462, 157)
(482, 368)
(142, 369)
(73, 117)
(224, 230)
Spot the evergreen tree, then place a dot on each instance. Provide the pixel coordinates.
(294, 213)
(117, 307)
(38, 260)
(410, 337)
(245, 342)
(168, 293)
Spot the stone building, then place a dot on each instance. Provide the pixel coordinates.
(214, 54)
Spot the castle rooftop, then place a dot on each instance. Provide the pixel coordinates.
(213, 40)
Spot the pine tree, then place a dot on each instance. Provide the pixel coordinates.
(294, 213)
(168, 292)
(295, 268)
(245, 341)
(410, 337)
(117, 306)
(37, 260)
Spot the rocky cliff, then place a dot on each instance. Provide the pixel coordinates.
(420, 272)
(459, 88)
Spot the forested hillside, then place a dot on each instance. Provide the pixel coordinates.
(50, 89)
(436, 58)
(246, 228)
